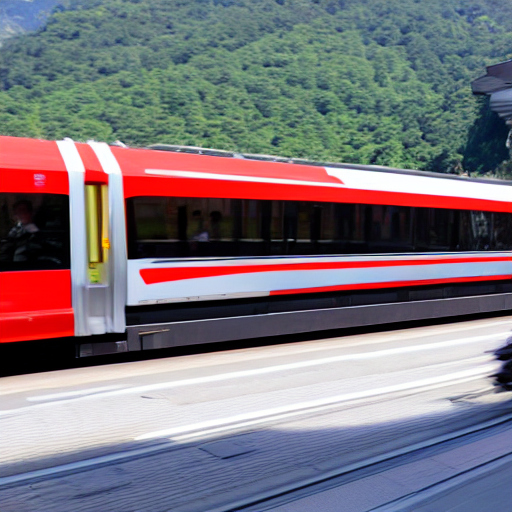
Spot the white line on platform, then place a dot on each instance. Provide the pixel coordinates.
(258, 371)
(205, 427)
(279, 417)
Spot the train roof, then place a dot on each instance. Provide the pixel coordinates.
(201, 172)
(18, 153)
(196, 150)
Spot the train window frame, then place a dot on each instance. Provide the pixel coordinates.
(315, 228)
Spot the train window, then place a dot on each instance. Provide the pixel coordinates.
(481, 229)
(436, 229)
(502, 231)
(207, 220)
(386, 229)
(325, 215)
(179, 227)
(34, 232)
(349, 232)
(208, 227)
(440, 227)
(305, 222)
(156, 219)
(464, 239)
(251, 221)
(395, 229)
(276, 226)
(256, 227)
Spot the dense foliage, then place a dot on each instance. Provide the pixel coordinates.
(370, 81)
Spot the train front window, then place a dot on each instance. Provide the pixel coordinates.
(34, 232)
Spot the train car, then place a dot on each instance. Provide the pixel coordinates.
(122, 249)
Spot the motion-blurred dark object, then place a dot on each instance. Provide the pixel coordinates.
(497, 83)
(503, 378)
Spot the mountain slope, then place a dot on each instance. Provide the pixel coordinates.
(372, 81)
(20, 16)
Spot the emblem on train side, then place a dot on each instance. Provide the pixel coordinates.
(39, 180)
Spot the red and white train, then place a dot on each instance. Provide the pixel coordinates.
(132, 249)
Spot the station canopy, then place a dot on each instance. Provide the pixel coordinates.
(497, 83)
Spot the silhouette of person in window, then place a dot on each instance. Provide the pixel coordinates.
(200, 232)
(215, 220)
(21, 243)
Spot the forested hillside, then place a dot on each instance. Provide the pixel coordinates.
(368, 81)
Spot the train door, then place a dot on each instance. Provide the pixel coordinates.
(98, 241)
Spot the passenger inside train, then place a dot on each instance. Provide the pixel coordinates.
(34, 231)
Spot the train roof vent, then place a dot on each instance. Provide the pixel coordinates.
(219, 152)
(193, 150)
(266, 158)
(302, 161)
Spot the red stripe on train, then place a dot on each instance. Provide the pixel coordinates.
(162, 275)
(390, 284)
